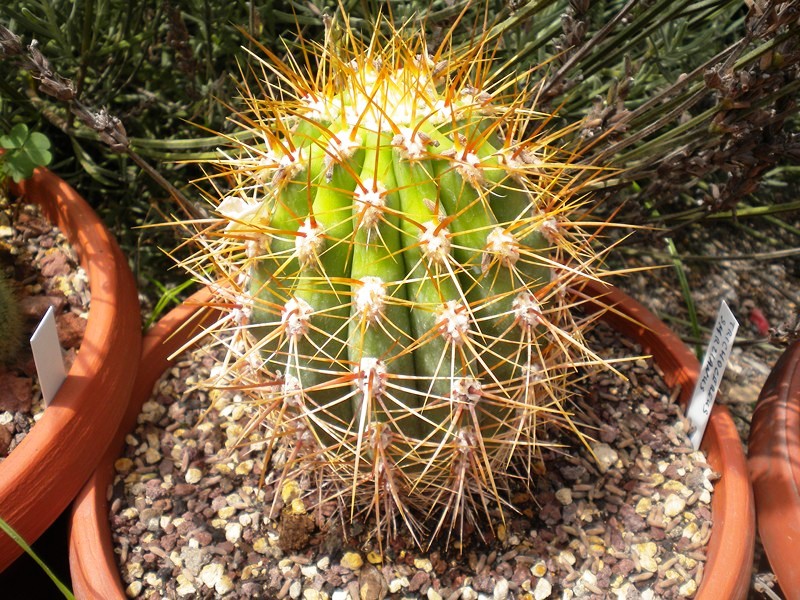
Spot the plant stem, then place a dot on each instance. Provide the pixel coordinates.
(9, 531)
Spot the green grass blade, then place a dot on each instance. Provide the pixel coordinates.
(686, 292)
(9, 531)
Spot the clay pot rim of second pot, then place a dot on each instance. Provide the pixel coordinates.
(774, 461)
(46, 470)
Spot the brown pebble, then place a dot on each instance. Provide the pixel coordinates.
(418, 581)
(71, 328)
(16, 393)
(372, 583)
(183, 489)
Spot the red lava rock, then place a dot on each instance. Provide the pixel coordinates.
(203, 538)
(608, 434)
(16, 393)
(483, 582)
(5, 440)
(153, 489)
(54, 264)
(32, 224)
(184, 527)
(439, 565)
(71, 328)
(624, 567)
(183, 489)
(522, 573)
(630, 520)
(550, 513)
(420, 578)
(34, 307)
(604, 578)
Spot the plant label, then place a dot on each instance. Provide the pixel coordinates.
(714, 363)
(47, 356)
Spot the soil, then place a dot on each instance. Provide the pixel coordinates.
(44, 270)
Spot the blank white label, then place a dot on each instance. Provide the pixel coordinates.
(714, 363)
(47, 356)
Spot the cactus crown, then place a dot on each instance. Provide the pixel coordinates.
(396, 243)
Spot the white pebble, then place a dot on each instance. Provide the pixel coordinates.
(193, 475)
(688, 589)
(500, 589)
(469, 594)
(423, 564)
(539, 569)
(211, 574)
(295, 590)
(565, 557)
(309, 571)
(134, 589)
(674, 505)
(645, 549)
(649, 563)
(233, 532)
(606, 456)
(135, 570)
(395, 585)
(542, 590)
(185, 587)
(223, 585)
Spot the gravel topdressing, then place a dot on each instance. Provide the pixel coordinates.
(190, 520)
(45, 269)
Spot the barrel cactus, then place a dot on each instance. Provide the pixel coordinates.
(396, 242)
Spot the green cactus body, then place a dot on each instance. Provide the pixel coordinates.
(10, 322)
(400, 291)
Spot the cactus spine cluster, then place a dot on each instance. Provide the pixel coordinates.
(396, 241)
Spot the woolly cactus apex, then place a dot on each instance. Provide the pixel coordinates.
(10, 322)
(395, 241)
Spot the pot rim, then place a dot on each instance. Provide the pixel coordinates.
(42, 475)
(727, 574)
(774, 461)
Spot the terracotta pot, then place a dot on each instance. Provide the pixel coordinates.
(43, 474)
(774, 459)
(727, 574)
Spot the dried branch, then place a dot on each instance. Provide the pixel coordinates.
(108, 128)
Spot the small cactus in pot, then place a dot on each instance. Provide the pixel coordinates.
(11, 322)
(396, 240)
